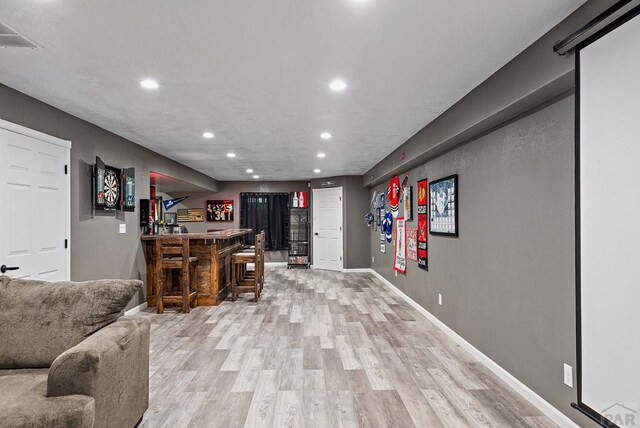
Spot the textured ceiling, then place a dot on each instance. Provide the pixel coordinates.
(255, 72)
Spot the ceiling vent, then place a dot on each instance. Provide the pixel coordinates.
(9, 38)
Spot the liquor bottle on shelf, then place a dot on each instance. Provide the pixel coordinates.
(295, 199)
(301, 200)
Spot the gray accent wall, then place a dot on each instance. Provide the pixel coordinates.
(508, 280)
(98, 250)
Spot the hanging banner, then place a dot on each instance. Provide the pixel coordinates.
(169, 203)
(400, 261)
(412, 244)
(407, 199)
(423, 225)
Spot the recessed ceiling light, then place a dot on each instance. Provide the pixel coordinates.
(208, 135)
(326, 135)
(249, 171)
(231, 155)
(338, 85)
(317, 171)
(321, 155)
(149, 84)
(256, 176)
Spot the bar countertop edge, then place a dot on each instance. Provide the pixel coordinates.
(220, 234)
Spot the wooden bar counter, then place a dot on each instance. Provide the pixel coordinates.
(212, 279)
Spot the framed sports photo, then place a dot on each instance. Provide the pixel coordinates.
(443, 206)
(220, 210)
(170, 218)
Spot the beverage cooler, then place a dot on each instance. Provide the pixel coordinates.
(299, 230)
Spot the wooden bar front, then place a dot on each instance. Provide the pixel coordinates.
(212, 279)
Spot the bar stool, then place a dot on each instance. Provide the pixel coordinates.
(259, 268)
(173, 254)
(245, 281)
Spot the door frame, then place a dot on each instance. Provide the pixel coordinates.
(313, 229)
(66, 144)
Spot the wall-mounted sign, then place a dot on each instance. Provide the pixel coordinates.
(412, 244)
(400, 260)
(191, 215)
(113, 188)
(328, 183)
(220, 210)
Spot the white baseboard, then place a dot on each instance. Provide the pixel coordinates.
(275, 263)
(356, 270)
(136, 309)
(551, 412)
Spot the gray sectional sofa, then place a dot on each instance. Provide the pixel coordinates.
(67, 358)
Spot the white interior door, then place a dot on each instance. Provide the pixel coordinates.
(34, 215)
(327, 228)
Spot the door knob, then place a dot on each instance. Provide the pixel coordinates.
(316, 233)
(5, 268)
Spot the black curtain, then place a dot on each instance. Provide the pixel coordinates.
(268, 212)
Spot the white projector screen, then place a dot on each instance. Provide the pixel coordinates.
(609, 250)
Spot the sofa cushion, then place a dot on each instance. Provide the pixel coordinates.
(40, 320)
(24, 403)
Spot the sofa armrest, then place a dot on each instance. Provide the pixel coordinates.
(112, 366)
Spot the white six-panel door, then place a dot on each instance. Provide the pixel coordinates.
(327, 228)
(34, 214)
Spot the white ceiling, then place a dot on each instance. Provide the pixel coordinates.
(255, 72)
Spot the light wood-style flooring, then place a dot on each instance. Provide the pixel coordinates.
(320, 349)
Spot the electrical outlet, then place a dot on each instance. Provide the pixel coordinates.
(373, 259)
(396, 272)
(440, 299)
(123, 228)
(568, 375)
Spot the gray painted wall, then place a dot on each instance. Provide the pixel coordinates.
(507, 282)
(97, 249)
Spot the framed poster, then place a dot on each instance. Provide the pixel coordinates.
(220, 210)
(412, 244)
(170, 219)
(407, 202)
(400, 259)
(190, 215)
(423, 233)
(443, 206)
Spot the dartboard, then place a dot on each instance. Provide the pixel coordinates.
(111, 189)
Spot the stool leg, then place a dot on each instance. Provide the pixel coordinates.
(195, 300)
(186, 306)
(159, 289)
(234, 282)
